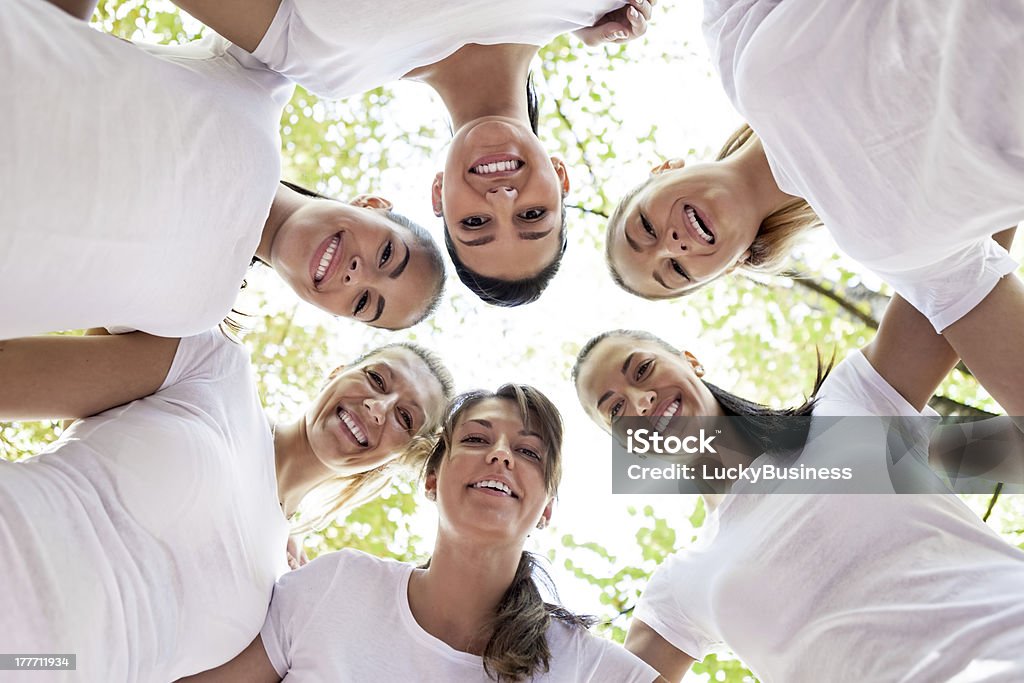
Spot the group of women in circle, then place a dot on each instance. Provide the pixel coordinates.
(150, 539)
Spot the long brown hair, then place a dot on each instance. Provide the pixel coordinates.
(518, 646)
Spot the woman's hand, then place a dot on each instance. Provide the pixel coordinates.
(295, 552)
(619, 26)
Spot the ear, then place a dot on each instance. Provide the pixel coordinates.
(430, 486)
(563, 174)
(698, 369)
(371, 201)
(435, 193)
(334, 373)
(668, 165)
(545, 516)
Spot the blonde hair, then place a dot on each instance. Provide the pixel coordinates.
(329, 498)
(782, 229)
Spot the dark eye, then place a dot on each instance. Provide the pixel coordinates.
(678, 268)
(472, 438)
(648, 228)
(530, 453)
(376, 378)
(643, 369)
(386, 256)
(533, 214)
(475, 222)
(616, 409)
(361, 305)
(405, 417)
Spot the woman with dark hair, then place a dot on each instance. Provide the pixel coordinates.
(846, 574)
(474, 611)
(147, 539)
(500, 194)
(114, 220)
(886, 129)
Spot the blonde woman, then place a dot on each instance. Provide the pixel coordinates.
(473, 612)
(886, 129)
(147, 539)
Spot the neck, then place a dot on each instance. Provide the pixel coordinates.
(456, 598)
(761, 187)
(297, 468)
(286, 202)
(497, 75)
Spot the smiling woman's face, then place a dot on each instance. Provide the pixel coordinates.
(684, 227)
(352, 261)
(501, 198)
(626, 377)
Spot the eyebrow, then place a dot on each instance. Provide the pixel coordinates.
(477, 242)
(401, 266)
(535, 235)
(625, 368)
(657, 278)
(380, 310)
(633, 244)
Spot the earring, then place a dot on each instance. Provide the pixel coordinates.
(543, 523)
(431, 494)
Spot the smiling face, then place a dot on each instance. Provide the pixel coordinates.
(685, 226)
(491, 483)
(352, 261)
(627, 377)
(501, 198)
(367, 414)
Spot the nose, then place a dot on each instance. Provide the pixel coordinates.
(377, 407)
(672, 244)
(643, 402)
(502, 194)
(354, 271)
(501, 452)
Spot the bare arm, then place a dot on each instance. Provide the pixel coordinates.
(243, 22)
(251, 665)
(908, 353)
(71, 377)
(645, 643)
(80, 9)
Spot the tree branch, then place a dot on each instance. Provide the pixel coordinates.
(584, 209)
(846, 305)
(944, 405)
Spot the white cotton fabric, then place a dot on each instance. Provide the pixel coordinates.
(147, 539)
(136, 179)
(900, 588)
(900, 123)
(336, 49)
(346, 616)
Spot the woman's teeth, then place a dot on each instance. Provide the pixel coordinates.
(347, 420)
(698, 225)
(498, 166)
(496, 485)
(670, 412)
(325, 260)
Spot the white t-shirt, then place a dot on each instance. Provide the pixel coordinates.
(148, 538)
(850, 587)
(900, 123)
(337, 49)
(346, 616)
(136, 179)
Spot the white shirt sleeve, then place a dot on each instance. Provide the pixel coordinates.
(297, 595)
(205, 356)
(659, 608)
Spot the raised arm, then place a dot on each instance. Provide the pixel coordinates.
(648, 645)
(251, 665)
(243, 22)
(914, 360)
(72, 377)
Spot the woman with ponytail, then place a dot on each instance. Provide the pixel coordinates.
(806, 587)
(878, 120)
(473, 612)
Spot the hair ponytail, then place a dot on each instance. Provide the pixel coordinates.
(518, 646)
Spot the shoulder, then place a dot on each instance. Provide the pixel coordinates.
(854, 387)
(583, 656)
(207, 356)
